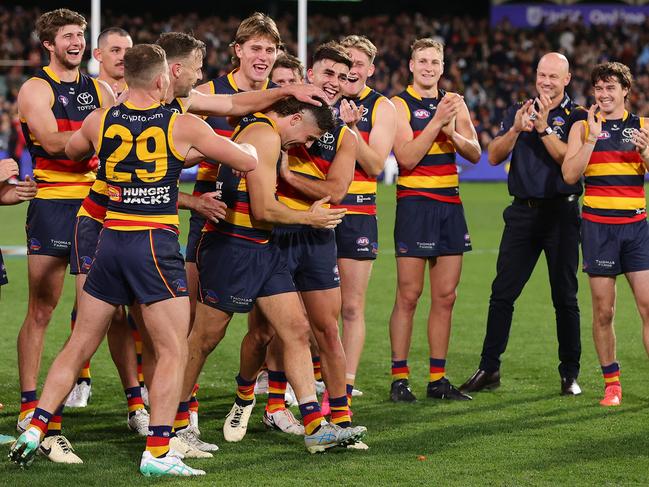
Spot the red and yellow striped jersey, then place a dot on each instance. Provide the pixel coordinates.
(58, 177)
(313, 163)
(239, 221)
(435, 176)
(614, 176)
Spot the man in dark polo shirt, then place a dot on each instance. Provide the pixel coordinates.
(543, 217)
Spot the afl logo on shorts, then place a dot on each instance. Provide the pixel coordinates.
(363, 241)
(375, 247)
(86, 262)
(64, 100)
(336, 273)
(402, 248)
(114, 193)
(210, 296)
(421, 113)
(180, 285)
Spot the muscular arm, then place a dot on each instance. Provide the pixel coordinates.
(204, 103)
(82, 143)
(372, 156)
(464, 137)
(408, 149)
(191, 132)
(35, 101)
(577, 154)
(339, 177)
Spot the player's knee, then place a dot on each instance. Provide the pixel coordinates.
(444, 300)
(351, 312)
(407, 297)
(40, 314)
(603, 315)
(330, 338)
(260, 337)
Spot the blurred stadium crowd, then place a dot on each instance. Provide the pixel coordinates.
(491, 67)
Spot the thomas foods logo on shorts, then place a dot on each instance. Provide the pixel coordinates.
(141, 196)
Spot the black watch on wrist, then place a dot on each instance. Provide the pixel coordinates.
(547, 131)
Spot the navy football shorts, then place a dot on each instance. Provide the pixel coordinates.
(84, 244)
(50, 226)
(234, 272)
(357, 237)
(430, 228)
(310, 254)
(610, 249)
(142, 265)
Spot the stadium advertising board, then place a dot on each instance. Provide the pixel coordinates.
(533, 15)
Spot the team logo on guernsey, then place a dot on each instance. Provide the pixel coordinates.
(603, 135)
(34, 245)
(180, 285)
(375, 248)
(63, 99)
(85, 98)
(210, 296)
(114, 193)
(327, 138)
(558, 121)
(86, 262)
(363, 241)
(421, 113)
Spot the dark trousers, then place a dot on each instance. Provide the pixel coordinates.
(552, 228)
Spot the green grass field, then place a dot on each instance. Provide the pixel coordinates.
(524, 433)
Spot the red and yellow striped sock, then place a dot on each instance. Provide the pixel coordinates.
(276, 389)
(437, 369)
(317, 367)
(157, 442)
(84, 375)
(311, 416)
(182, 416)
(41, 420)
(28, 402)
(611, 374)
(134, 399)
(340, 411)
(400, 370)
(245, 391)
(193, 401)
(54, 426)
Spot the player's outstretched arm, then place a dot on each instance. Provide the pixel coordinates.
(247, 102)
(339, 177)
(190, 132)
(581, 142)
(82, 143)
